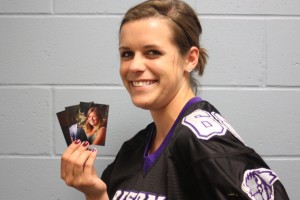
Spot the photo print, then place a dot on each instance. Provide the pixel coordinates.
(86, 121)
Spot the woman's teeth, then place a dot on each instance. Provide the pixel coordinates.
(141, 83)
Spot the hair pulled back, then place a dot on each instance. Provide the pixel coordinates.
(183, 22)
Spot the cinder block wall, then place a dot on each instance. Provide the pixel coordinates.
(55, 53)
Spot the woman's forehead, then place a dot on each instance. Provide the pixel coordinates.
(148, 31)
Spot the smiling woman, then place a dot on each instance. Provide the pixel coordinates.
(95, 126)
(153, 71)
(190, 151)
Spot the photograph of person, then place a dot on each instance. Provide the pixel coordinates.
(95, 125)
(76, 120)
(86, 121)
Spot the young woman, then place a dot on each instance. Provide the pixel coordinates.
(95, 127)
(189, 151)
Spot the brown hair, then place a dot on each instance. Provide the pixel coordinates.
(98, 113)
(183, 22)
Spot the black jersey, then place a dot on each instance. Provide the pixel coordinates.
(202, 157)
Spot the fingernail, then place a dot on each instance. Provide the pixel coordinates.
(94, 150)
(77, 141)
(85, 143)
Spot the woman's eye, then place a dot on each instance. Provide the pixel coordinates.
(126, 54)
(153, 53)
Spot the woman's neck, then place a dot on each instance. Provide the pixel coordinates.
(166, 116)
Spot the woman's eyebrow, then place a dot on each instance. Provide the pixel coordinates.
(123, 47)
(147, 46)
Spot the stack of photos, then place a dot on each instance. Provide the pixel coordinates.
(86, 121)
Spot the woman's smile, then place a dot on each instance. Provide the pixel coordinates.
(142, 83)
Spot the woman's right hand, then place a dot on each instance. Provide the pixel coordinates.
(77, 170)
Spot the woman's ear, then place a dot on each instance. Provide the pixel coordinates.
(191, 59)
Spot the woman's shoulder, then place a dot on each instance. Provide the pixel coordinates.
(203, 132)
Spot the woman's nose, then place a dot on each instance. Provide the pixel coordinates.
(137, 63)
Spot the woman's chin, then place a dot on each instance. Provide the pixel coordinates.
(140, 103)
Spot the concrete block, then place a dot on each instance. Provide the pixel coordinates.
(283, 52)
(25, 6)
(25, 121)
(249, 7)
(236, 49)
(93, 6)
(268, 120)
(98, 6)
(59, 50)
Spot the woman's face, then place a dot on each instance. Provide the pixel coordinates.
(151, 68)
(93, 119)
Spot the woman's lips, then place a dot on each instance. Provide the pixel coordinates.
(142, 83)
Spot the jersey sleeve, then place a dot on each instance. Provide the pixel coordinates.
(243, 175)
(216, 164)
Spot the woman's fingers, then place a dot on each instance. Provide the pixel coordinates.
(73, 161)
(82, 171)
(77, 170)
(89, 165)
(81, 162)
(65, 159)
(73, 157)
